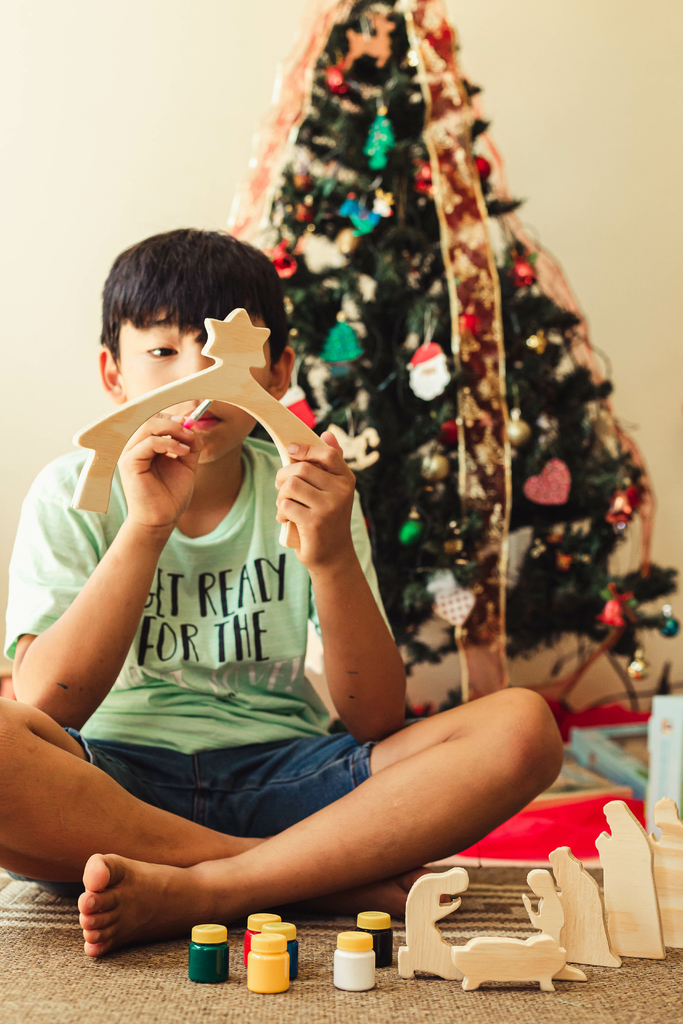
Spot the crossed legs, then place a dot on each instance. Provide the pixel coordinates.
(436, 787)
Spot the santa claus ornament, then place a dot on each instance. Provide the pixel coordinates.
(295, 400)
(428, 370)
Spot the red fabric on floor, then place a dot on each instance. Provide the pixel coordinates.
(533, 833)
(592, 718)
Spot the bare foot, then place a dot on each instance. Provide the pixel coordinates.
(129, 901)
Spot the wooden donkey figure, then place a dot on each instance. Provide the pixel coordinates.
(236, 346)
(426, 949)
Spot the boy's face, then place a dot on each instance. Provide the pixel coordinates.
(160, 354)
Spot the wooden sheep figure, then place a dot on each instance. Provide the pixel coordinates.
(584, 931)
(668, 860)
(626, 856)
(236, 346)
(495, 958)
(426, 949)
(549, 918)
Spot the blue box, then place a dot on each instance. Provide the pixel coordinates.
(665, 746)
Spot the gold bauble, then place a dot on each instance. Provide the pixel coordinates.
(346, 241)
(452, 546)
(519, 431)
(537, 342)
(639, 667)
(435, 467)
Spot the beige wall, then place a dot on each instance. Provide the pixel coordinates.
(123, 120)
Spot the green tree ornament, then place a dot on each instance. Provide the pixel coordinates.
(380, 141)
(341, 344)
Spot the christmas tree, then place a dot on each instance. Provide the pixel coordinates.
(494, 479)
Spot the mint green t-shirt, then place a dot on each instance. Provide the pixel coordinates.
(218, 657)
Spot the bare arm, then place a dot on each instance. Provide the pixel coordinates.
(365, 672)
(68, 670)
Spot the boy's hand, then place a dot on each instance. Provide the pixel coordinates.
(316, 493)
(157, 470)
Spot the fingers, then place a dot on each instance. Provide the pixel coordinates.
(163, 426)
(328, 455)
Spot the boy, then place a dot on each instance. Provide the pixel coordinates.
(165, 718)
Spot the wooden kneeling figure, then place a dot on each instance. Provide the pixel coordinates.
(426, 949)
(549, 918)
(494, 958)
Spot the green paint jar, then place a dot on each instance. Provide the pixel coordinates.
(209, 951)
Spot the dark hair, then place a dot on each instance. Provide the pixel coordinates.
(187, 275)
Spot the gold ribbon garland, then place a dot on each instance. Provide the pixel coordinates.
(484, 481)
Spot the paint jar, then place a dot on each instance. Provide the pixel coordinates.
(289, 932)
(268, 964)
(209, 952)
(354, 962)
(254, 924)
(378, 924)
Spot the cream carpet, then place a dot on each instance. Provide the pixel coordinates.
(46, 979)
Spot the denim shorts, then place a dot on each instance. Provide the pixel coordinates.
(256, 790)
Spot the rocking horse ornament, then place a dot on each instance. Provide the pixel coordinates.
(236, 346)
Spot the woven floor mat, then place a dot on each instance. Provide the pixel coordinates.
(46, 979)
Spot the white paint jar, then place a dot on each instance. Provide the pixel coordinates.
(354, 962)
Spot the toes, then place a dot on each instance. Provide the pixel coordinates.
(97, 922)
(96, 948)
(103, 871)
(98, 902)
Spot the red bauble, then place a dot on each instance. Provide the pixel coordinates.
(423, 178)
(469, 322)
(335, 80)
(484, 167)
(303, 182)
(633, 496)
(303, 213)
(284, 263)
(523, 274)
(448, 434)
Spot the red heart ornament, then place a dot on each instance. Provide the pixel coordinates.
(551, 486)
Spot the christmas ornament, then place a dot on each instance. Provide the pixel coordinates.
(380, 141)
(303, 213)
(551, 486)
(555, 534)
(284, 262)
(358, 451)
(341, 345)
(639, 667)
(452, 602)
(633, 496)
(321, 254)
(448, 434)
(295, 400)
(523, 274)
(563, 561)
(302, 182)
(452, 546)
(620, 510)
(423, 178)
(616, 607)
(428, 371)
(362, 219)
(519, 431)
(346, 241)
(435, 467)
(484, 167)
(671, 625)
(411, 531)
(335, 79)
(469, 322)
(383, 203)
(537, 342)
(372, 41)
